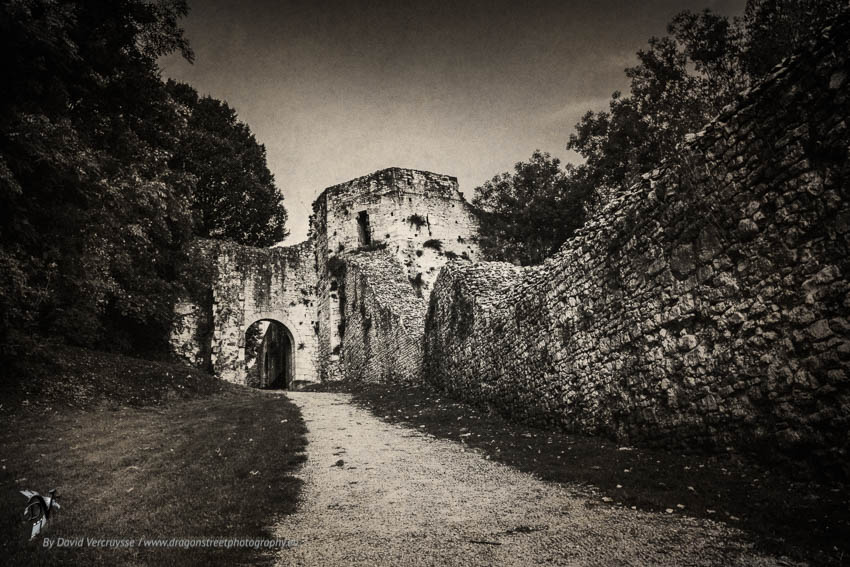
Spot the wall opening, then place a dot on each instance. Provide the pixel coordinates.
(269, 355)
(364, 233)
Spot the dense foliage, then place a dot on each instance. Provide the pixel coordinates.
(94, 214)
(680, 83)
(235, 197)
(685, 79)
(527, 215)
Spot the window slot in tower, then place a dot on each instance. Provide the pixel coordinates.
(363, 231)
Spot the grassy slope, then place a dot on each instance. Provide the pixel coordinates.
(805, 520)
(138, 448)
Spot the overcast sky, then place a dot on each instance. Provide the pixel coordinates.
(336, 90)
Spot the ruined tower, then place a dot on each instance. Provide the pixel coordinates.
(409, 222)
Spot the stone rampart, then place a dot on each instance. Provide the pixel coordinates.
(384, 321)
(707, 306)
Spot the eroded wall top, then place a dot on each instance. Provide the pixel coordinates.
(707, 305)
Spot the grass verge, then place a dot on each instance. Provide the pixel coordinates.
(784, 516)
(166, 453)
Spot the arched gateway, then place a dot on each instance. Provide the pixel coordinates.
(248, 286)
(269, 355)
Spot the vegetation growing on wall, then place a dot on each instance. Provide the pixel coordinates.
(417, 283)
(434, 243)
(417, 220)
(337, 269)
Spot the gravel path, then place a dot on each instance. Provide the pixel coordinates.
(380, 494)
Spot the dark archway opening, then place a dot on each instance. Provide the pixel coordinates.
(269, 356)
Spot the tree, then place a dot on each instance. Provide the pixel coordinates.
(235, 197)
(680, 83)
(92, 218)
(775, 29)
(685, 79)
(528, 214)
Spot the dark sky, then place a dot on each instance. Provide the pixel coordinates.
(336, 90)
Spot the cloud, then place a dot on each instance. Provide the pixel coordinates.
(574, 110)
(621, 59)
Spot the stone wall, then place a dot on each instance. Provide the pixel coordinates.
(418, 220)
(405, 209)
(248, 285)
(384, 321)
(191, 333)
(418, 217)
(708, 305)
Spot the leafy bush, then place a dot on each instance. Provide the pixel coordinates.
(434, 243)
(417, 220)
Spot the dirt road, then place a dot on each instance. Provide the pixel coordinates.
(379, 494)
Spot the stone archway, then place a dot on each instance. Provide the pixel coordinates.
(299, 365)
(269, 358)
(247, 285)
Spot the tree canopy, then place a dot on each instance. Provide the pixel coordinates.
(684, 79)
(98, 195)
(92, 216)
(235, 197)
(680, 83)
(527, 214)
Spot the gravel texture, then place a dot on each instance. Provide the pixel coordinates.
(381, 494)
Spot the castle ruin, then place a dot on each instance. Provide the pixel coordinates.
(708, 305)
(407, 223)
